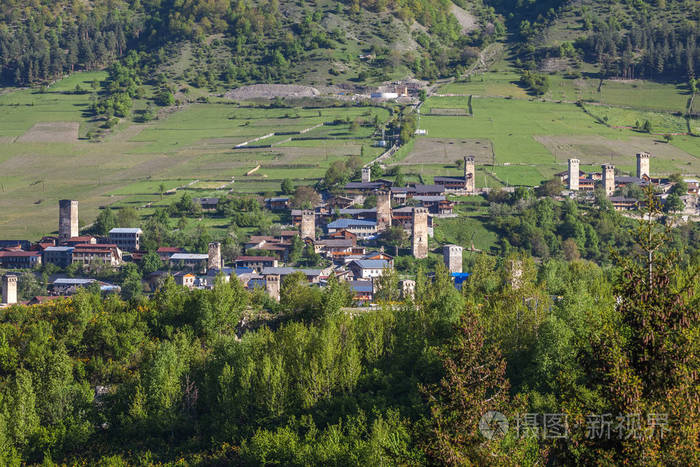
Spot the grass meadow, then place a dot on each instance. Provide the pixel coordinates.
(195, 142)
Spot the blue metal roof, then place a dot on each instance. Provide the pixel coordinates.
(361, 286)
(345, 223)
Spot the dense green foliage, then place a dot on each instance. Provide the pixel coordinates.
(228, 376)
(258, 40)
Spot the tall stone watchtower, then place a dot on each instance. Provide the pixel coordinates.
(469, 175)
(308, 224)
(214, 261)
(573, 174)
(383, 210)
(452, 255)
(366, 174)
(9, 289)
(272, 286)
(67, 219)
(420, 232)
(609, 179)
(643, 159)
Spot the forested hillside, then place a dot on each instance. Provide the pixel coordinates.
(630, 39)
(255, 40)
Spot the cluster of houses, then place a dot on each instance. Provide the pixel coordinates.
(336, 229)
(577, 180)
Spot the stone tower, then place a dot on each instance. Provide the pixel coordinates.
(643, 164)
(214, 261)
(383, 210)
(67, 219)
(573, 174)
(308, 224)
(469, 175)
(272, 286)
(452, 255)
(420, 232)
(366, 174)
(609, 179)
(515, 273)
(408, 288)
(9, 289)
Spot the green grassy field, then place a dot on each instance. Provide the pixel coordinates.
(494, 84)
(43, 159)
(472, 224)
(21, 109)
(534, 139)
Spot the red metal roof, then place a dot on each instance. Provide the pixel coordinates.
(18, 253)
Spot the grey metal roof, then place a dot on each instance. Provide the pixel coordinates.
(428, 188)
(72, 281)
(355, 211)
(333, 242)
(131, 230)
(372, 263)
(430, 198)
(287, 271)
(345, 223)
(59, 248)
(186, 256)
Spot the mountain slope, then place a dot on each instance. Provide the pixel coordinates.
(255, 40)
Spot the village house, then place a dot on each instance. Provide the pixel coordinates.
(693, 185)
(620, 203)
(341, 202)
(278, 204)
(80, 240)
(363, 291)
(268, 245)
(207, 204)
(314, 276)
(87, 253)
(337, 249)
(345, 234)
(165, 252)
(70, 285)
(61, 256)
(184, 279)
(127, 239)
(401, 194)
(256, 263)
(189, 261)
(362, 228)
(435, 204)
(15, 244)
(404, 217)
(368, 268)
(367, 187)
(19, 259)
